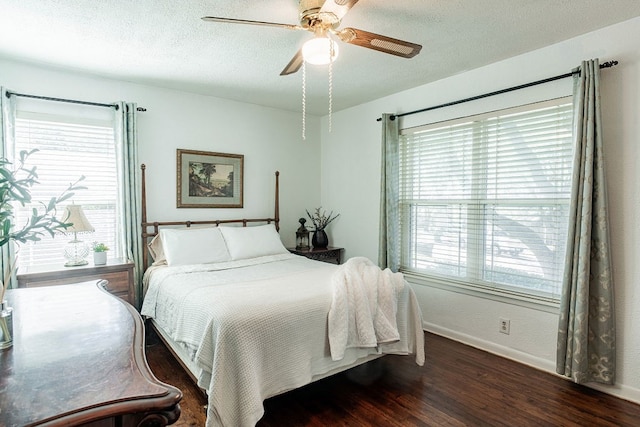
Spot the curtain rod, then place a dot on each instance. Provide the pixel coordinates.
(70, 101)
(608, 64)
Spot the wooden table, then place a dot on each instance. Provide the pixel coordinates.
(330, 254)
(78, 358)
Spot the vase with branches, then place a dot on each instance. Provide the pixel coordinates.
(16, 182)
(320, 220)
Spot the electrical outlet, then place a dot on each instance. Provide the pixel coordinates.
(505, 325)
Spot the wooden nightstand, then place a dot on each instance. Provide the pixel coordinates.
(118, 272)
(331, 255)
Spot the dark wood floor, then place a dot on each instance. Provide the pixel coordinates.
(458, 386)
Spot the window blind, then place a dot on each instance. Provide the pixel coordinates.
(484, 200)
(69, 147)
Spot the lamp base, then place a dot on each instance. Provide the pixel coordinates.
(76, 263)
(76, 253)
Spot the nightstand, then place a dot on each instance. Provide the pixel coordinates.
(118, 272)
(329, 254)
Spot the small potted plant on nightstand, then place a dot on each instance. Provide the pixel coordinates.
(99, 253)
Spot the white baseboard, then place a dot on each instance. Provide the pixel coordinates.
(631, 394)
(622, 391)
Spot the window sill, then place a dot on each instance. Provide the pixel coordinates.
(548, 305)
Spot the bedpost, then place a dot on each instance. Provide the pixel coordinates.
(277, 212)
(145, 255)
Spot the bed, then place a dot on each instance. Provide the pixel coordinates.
(248, 320)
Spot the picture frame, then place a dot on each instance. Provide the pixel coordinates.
(209, 180)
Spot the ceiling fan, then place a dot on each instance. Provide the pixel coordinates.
(323, 18)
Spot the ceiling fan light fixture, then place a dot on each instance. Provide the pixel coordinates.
(320, 51)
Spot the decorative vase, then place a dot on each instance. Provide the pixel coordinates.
(6, 326)
(99, 258)
(320, 240)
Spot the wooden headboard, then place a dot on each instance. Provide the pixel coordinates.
(151, 229)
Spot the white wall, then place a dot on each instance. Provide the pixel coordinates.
(351, 182)
(270, 140)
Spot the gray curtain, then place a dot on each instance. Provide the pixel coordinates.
(129, 190)
(586, 333)
(389, 242)
(7, 121)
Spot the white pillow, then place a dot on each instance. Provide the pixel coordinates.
(156, 251)
(193, 246)
(252, 242)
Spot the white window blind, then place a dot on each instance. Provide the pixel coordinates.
(484, 200)
(69, 147)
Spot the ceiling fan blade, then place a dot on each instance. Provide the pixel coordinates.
(246, 21)
(293, 65)
(380, 43)
(338, 7)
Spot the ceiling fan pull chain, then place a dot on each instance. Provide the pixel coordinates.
(304, 99)
(331, 53)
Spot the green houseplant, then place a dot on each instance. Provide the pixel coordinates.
(99, 253)
(16, 182)
(100, 247)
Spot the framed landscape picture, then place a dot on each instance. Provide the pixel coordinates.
(209, 180)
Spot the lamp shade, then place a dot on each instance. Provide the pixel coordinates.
(74, 215)
(320, 50)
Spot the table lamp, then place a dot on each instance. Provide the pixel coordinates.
(76, 250)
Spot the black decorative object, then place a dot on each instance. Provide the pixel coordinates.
(320, 239)
(320, 221)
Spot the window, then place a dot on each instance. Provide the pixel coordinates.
(70, 147)
(484, 200)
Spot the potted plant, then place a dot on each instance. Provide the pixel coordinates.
(16, 182)
(320, 221)
(99, 253)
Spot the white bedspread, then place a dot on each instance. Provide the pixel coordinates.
(253, 328)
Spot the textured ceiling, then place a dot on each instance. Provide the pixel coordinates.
(165, 43)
